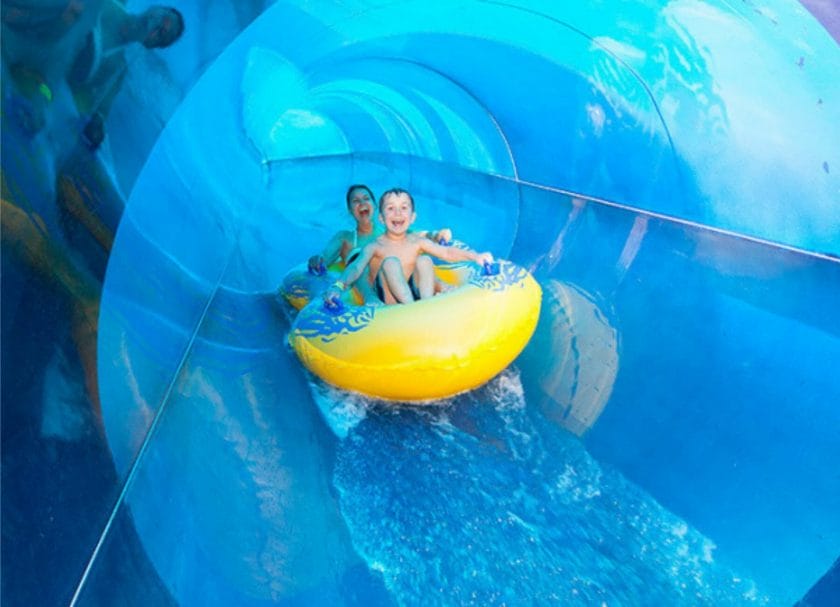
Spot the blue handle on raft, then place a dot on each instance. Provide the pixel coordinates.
(334, 306)
(444, 243)
(490, 269)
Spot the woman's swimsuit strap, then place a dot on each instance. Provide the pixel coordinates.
(354, 252)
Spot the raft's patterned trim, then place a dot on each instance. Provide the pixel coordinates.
(319, 323)
(297, 290)
(305, 285)
(326, 326)
(509, 275)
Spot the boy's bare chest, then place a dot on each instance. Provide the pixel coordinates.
(404, 249)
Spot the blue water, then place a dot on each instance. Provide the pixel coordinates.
(668, 172)
(481, 502)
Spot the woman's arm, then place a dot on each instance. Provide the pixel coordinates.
(351, 273)
(329, 254)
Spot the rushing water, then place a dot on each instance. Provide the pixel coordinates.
(482, 501)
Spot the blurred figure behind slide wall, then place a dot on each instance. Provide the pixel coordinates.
(64, 67)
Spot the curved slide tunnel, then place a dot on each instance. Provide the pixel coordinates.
(668, 435)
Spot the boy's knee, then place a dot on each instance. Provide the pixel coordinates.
(424, 262)
(391, 263)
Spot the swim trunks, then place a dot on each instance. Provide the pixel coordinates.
(380, 290)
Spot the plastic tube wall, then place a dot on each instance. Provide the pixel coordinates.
(667, 173)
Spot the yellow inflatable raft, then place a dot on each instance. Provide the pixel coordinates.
(426, 350)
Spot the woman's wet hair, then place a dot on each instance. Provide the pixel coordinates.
(358, 186)
(396, 192)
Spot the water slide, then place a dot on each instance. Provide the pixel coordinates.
(667, 171)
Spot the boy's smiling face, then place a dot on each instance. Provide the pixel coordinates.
(361, 205)
(397, 213)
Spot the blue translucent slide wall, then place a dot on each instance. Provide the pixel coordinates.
(669, 173)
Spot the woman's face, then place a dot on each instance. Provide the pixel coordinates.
(361, 205)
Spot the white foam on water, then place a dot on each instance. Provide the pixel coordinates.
(505, 391)
(342, 410)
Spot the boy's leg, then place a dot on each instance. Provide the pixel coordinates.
(393, 283)
(424, 277)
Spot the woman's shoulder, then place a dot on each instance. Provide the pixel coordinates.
(342, 236)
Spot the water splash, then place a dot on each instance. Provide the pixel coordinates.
(482, 501)
(342, 410)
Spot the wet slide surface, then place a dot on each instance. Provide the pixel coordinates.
(667, 436)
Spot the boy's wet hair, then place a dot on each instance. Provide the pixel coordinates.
(396, 192)
(358, 186)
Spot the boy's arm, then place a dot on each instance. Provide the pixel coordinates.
(329, 254)
(441, 236)
(351, 273)
(453, 254)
